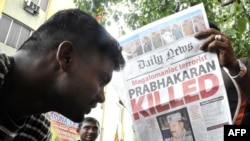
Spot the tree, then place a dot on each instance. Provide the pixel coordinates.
(232, 16)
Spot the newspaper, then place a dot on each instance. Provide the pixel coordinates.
(168, 78)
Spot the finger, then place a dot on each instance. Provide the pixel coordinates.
(204, 45)
(205, 33)
(217, 46)
(214, 39)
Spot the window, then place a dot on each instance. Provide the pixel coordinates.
(13, 33)
(4, 27)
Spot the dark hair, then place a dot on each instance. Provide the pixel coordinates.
(81, 29)
(88, 119)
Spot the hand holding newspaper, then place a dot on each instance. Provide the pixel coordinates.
(171, 83)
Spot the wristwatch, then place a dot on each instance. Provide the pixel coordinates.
(243, 71)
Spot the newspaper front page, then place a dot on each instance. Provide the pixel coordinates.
(169, 79)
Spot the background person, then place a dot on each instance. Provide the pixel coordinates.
(63, 67)
(89, 129)
(235, 72)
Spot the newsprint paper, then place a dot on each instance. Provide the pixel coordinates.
(168, 78)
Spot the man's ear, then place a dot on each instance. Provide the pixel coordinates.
(64, 54)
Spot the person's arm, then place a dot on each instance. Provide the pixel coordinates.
(223, 47)
(242, 76)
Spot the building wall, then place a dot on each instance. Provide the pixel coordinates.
(2, 3)
(116, 118)
(14, 9)
(6, 49)
(56, 5)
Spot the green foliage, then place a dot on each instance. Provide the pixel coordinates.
(232, 18)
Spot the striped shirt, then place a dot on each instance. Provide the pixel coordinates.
(32, 128)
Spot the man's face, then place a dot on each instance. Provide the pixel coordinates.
(89, 131)
(176, 128)
(84, 85)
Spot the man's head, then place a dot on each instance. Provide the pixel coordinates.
(78, 28)
(89, 129)
(176, 125)
(68, 61)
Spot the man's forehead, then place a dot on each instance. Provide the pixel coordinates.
(84, 124)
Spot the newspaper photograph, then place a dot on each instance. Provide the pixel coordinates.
(173, 89)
